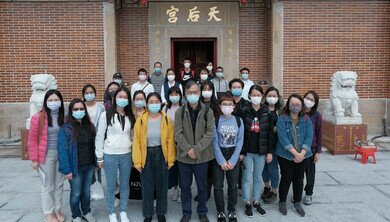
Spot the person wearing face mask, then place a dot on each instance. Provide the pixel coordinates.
(204, 76)
(77, 159)
(153, 155)
(220, 83)
(271, 170)
(210, 71)
(142, 83)
(256, 151)
(227, 144)
(139, 101)
(42, 148)
(244, 74)
(117, 78)
(295, 133)
(186, 74)
(157, 77)
(168, 84)
(113, 150)
(193, 135)
(111, 90)
(311, 101)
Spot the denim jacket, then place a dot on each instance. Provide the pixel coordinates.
(285, 132)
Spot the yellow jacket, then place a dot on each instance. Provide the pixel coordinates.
(140, 140)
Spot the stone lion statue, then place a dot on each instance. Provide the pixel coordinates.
(343, 97)
(41, 83)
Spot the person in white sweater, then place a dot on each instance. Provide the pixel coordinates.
(113, 150)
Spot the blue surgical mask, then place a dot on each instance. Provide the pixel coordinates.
(244, 76)
(89, 97)
(154, 108)
(54, 105)
(219, 74)
(78, 114)
(122, 103)
(193, 99)
(139, 103)
(237, 92)
(174, 99)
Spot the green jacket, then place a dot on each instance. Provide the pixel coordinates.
(184, 135)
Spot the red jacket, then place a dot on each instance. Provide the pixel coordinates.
(37, 153)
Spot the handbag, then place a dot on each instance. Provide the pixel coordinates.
(97, 192)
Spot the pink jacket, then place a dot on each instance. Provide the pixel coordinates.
(35, 152)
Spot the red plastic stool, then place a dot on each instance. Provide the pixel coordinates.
(365, 153)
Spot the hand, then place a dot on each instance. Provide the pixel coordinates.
(191, 153)
(35, 165)
(269, 158)
(100, 165)
(299, 157)
(316, 157)
(139, 169)
(230, 165)
(241, 157)
(295, 160)
(225, 166)
(69, 176)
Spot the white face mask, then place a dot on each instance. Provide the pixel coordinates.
(142, 77)
(272, 100)
(187, 65)
(204, 77)
(227, 110)
(207, 94)
(119, 81)
(308, 103)
(209, 68)
(256, 100)
(171, 77)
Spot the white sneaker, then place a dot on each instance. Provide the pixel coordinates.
(179, 196)
(117, 202)
(89, 217)
(113, 218)
(77, 219)
(175, 194)
(124, 217)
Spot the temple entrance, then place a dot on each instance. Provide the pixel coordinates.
(200, 51)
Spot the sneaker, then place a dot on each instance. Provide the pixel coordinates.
(112, 217)
(248, 210)
(161, 218)
(221, 217)
(117, 202)
(175, 194)
(307, 200)
(179, 198)
(77, 219)
(297, 207)
(271, 198)
(266, 192)
(50, 218)
(203, 218)
(60, 217)
(89, 217)
(283, 208)
(259, 210)
(185, 218)
(124, 217)
(232, 217)
(148, 219)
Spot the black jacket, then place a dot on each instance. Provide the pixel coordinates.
(266, 137)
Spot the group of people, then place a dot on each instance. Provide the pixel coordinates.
(200, 126)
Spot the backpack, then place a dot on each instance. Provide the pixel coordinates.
(238, 120)
(205, 114)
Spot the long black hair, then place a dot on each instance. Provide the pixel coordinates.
(213, 100)
(286, 109)
(174, 89)
(255, 87)
(316, 100)
(85, 121)
(61, 111)
(85, 89)
(278, 105)
(128, 110)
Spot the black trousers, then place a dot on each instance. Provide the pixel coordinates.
(310, 175)
(291, 172)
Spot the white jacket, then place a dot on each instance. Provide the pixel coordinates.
(118, 141)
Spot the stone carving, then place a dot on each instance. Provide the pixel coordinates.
(343, 107)
(41, 83)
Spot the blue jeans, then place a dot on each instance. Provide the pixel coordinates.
(186, 172)
(271, 172)
(80, 190)
(253, 168)
(154, 177)
(113, 163)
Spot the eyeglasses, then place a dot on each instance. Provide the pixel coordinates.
(78, 109)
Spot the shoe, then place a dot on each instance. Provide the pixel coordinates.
(117, 202)
(77, 219)
(60, 217)
(297, 207)
(89, 217)
(307, 200)
(203, 218)
(266, 192)
(179, 198)
(148, 219)
(124, 217)
(185, 218)
(50, 218)
(221, 217)
(259, 210)
(248, 210)
(161, 218)
(271, 198)
(232, 217)
(283, 208)
(175, 194)
(113, 218)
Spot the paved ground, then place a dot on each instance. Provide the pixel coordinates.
(345, 190)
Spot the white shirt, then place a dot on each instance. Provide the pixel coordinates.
(162, 94)
(247, 85)
(146, 87)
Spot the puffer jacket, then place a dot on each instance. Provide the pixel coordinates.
(37, 149)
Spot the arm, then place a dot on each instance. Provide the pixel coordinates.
(217, 150)
(162, 93)
(171, 144)
(270, 135)
(136, 150)
(182, 143)
(205, 141)
(63, 152)
(99, 140)
(33, 138)
(282, 134)
(240, 141)
(319, 133)
(308, 135)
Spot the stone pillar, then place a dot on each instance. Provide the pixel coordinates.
(277, 45)
(110, 66)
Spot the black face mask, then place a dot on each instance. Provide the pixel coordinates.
(112, 94)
